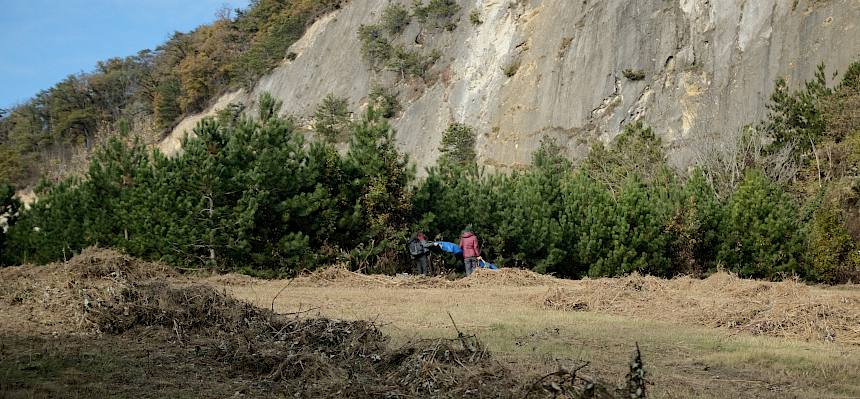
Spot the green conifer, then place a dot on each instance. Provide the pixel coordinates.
(762, 236)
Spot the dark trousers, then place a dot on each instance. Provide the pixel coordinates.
(422, 262)
(471, 265)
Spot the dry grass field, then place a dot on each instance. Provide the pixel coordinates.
(712, 338)
(719, 337)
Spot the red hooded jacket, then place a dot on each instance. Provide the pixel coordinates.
(469, 243)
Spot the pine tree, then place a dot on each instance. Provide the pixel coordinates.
(167, 103)
(587, 219)
(269, 107)
(384, 99)
(54, 227)
(331, 118)
(114, 174)
(797, 118)
(458, 145)
(437, 13)
(832, 250)
(332, 198)
(201, 180)
(395, 19)
(638, 242)
(375, 46)
(276, 184)
(535, 208)
(144, 210)
(381, 178)
(762, 236)
(694, 226)
(637, 151)
(11, 167)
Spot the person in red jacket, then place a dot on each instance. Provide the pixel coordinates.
(471, 250)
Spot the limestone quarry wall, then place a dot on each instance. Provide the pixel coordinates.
(709, 68)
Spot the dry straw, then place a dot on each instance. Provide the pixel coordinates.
(789, 309)
(55, 298)
(106, 292)
(339, 276)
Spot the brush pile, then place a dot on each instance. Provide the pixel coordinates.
(55, 298)
(316, 357)
(789, 309)
(338, 276)
(106, 292)
(507, 277)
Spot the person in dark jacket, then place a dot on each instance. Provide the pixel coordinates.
(418, 248)
(471, 250)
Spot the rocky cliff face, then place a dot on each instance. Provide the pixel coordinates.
(704, 67)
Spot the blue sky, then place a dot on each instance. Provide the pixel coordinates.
(43, 41)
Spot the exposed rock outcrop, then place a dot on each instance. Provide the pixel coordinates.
(693, 68)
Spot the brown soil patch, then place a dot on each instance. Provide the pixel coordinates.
(787, 309)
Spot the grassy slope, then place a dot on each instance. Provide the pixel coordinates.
(683, 361)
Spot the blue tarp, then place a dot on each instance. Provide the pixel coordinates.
(487, 265)
(449, 247)
(455, 249)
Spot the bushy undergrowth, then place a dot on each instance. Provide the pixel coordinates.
(382, 48)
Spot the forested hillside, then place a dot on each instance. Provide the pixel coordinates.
(149, 92)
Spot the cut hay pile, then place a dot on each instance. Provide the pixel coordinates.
(507, 277)
(338, 276)
(233, 280)
(55, 298)
(787, 309)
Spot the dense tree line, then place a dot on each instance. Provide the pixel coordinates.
(154, 87)
(250, 194)
(247, 193)
(572, 222)
(782, 202)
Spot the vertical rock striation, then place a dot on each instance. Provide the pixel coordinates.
(689, 68)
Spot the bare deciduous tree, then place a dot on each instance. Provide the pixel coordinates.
(725, 158)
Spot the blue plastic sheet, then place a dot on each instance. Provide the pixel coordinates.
(449, 247)
(487, 265)
(455, 249)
